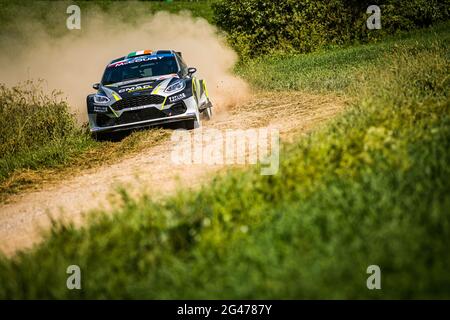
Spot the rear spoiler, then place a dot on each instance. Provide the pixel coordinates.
(179, 53)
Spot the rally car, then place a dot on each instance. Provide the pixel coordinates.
(147, 88)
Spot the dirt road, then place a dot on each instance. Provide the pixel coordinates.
(26, 216)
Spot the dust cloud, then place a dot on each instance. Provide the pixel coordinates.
(73, 62)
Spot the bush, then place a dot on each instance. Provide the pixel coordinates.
(258, 26)
(30, 119)
(35, 128)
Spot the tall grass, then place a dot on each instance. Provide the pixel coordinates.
(370, 188)
(36, 129)
(330, 70)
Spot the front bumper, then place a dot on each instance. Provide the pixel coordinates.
(130, 118)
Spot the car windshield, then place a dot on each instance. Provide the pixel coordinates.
(140, 67)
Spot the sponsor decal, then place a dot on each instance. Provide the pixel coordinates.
(177, 97)
(136, 88)
(100, 109)
(134, 60)
(140, 107)
(129, 60)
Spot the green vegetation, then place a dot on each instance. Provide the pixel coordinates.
(40, 140)
(329, 70)
(36, 130)
(370, 188)
(258, 27)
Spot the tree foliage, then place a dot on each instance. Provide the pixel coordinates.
(260, 26)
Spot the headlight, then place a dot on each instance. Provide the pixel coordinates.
(101, 99)
(176, 86)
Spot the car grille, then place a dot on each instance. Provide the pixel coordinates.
(130, 117)
(141, 100)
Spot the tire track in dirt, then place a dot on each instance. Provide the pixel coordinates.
(24, 218)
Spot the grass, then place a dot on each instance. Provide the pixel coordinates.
(369, 188)
(40, 140)
(329, 70)
(36, 130)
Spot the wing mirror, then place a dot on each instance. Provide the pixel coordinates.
(191, 71)
(96, 86)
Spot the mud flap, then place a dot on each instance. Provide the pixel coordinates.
(205, 106)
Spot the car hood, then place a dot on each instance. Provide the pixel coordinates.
(132, 88)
